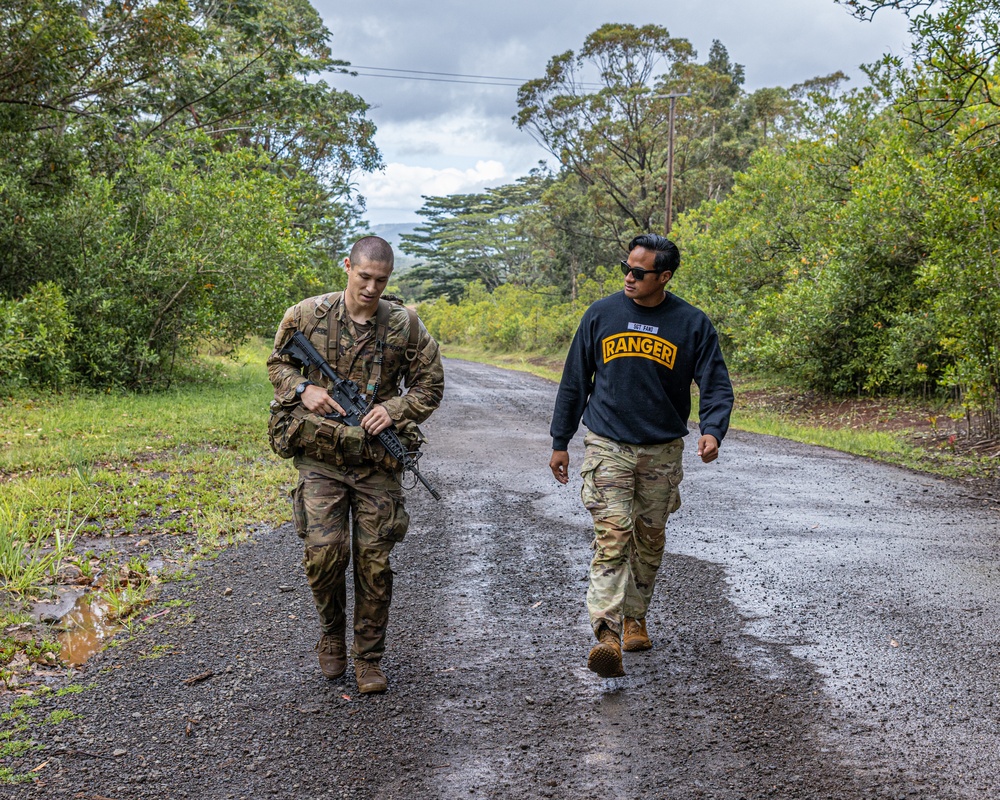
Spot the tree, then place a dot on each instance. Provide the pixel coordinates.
(560, 227)
(954, 51)
(473, 237)
(948, 94)
(613, 140)
(98, 95)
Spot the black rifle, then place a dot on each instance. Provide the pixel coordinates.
(349, 398)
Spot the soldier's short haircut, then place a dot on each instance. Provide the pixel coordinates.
(667, 257)
(372, 248)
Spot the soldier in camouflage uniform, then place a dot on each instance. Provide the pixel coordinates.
(348, 497)
(628, 375)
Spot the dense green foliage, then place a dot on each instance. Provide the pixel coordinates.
(864, 257)
(163, 162)
(841, 241)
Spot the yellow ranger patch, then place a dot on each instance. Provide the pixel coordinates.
(642, 345)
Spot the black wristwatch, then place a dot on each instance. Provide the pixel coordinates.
(302, 387)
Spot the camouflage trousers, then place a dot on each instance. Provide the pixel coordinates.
(630, 490)
(361, 512)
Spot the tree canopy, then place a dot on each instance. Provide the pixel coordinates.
(166, 160)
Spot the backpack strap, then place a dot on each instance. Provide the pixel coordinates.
(414, 330)
(411, 343)
(381, 333)
(321, 310)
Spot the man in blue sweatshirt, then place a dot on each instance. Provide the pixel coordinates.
(628, 375)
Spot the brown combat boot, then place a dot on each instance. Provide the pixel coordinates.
(370, 677)
(606, 657)
(634, 636)
(332, 652)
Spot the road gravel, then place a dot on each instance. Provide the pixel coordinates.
(824, 627)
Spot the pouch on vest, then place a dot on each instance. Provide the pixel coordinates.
(411, 437)
(284, 427)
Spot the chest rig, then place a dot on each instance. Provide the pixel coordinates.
(333, 329)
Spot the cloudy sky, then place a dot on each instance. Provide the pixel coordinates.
(438, 136)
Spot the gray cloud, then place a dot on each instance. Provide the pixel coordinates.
(780, 42)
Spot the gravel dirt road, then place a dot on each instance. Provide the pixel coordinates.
(824, 627)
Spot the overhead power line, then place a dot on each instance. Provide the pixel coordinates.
(448, 74)
(446, 77)
(435, 80)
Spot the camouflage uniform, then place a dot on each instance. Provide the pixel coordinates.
(343, 474)
(630, 490)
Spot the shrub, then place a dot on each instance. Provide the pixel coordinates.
(34, 332)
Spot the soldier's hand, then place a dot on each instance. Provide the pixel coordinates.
(376, 420)
(708, 448)
(559, 464)
(318, 401)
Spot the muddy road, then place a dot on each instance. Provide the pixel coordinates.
(824, 627)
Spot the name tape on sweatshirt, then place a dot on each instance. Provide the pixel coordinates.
(640, 345)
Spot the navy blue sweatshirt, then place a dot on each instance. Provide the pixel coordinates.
(629, 370)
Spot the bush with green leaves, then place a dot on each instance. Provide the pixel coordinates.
(34, 336)
(179, 248)
(515, 318)
(812, 262)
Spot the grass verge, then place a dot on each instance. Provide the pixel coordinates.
(544, 365)
(97, 487)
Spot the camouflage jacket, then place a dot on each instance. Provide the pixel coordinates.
(352, 358)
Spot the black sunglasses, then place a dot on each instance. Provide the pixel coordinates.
(638, 272)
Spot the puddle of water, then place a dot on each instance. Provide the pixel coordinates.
(87, 629)
(84, 618)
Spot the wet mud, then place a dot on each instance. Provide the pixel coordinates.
(824, 627)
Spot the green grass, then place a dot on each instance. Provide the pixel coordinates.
(188, 470)
(891, 448)
(60, 715)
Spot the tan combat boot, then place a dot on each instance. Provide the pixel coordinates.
(634, 636)
(606, 657)
(332, 652)
(370, 677)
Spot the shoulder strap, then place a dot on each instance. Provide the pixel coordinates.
(382, 320)
(382, 327)
(312, 319)
(321, 310)
(411, 343)
(335, 324)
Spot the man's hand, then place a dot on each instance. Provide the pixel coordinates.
(559, 464)
(376, 420)
(708, 448)
(317, 400)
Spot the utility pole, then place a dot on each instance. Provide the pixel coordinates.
(669, 211)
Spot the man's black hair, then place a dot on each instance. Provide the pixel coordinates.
(372, 248)
(668, 257)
